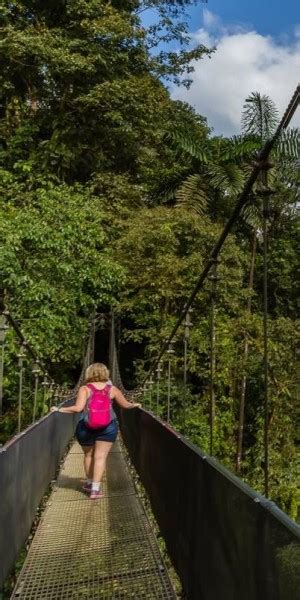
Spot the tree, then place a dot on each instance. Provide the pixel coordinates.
(259, 121)
(170, 26)
(79, 92)
(83, 116)
(55, 265)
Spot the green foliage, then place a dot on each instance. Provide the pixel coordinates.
(163, 264)
(260, 116)
(55, 264)
(79, 90)
(111, 193)
(161, 267)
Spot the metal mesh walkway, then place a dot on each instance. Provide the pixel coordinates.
(93, 549)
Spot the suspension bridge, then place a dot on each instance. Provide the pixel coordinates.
(224, 539)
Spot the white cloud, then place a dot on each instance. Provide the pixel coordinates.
(210, 20)
(297, 31)
(245, 61)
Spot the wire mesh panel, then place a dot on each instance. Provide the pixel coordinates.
(27, 465)
(225, 540)
(94, 548)
(115, 482)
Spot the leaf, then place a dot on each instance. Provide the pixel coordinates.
(260, 116)
(288, 145)
(189, 147)
(192, 196)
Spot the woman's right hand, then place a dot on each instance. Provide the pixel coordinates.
(136, 405)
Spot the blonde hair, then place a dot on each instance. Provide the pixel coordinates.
(96, 372)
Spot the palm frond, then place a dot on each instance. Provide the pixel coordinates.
(238, 147)
(242, 147)
(189, 146)
(167, 194)
(192, 196)
(252, 216)
(227, 177)
(165, 190)
(260, 116)
(289, 144)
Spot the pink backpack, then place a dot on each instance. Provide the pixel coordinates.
(98, 407)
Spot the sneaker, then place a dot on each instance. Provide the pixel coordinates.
(87, 487)
(96, 494)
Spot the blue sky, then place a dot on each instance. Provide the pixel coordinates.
(257, 49)
(272, 17)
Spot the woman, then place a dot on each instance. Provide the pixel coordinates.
(96, 443)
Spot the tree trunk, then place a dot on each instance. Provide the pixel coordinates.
(245, 357)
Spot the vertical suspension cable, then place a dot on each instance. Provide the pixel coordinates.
(3, 330)
(150, 383)
(112, 347)
(213, 278)
(169, 390)
(119, 341)
(185, 346)
(45, 385)
(170, 352)
(266, 213)
(51, 392)
(21, 357)
(36, 372)
(92, 339)
(239, 453)
(212, 373)
(187, 325)
(158, 375)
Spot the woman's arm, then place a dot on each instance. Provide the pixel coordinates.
(117, 395)
(79, 405)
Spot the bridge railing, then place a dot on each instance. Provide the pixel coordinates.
(28, 463)
(225, 540)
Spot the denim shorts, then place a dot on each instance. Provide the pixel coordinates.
(88, 437)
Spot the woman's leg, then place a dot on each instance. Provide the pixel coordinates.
(100, 455)
(88, 461)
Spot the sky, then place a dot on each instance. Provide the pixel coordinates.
(257, 49)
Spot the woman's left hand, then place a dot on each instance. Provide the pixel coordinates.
(54, 409)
